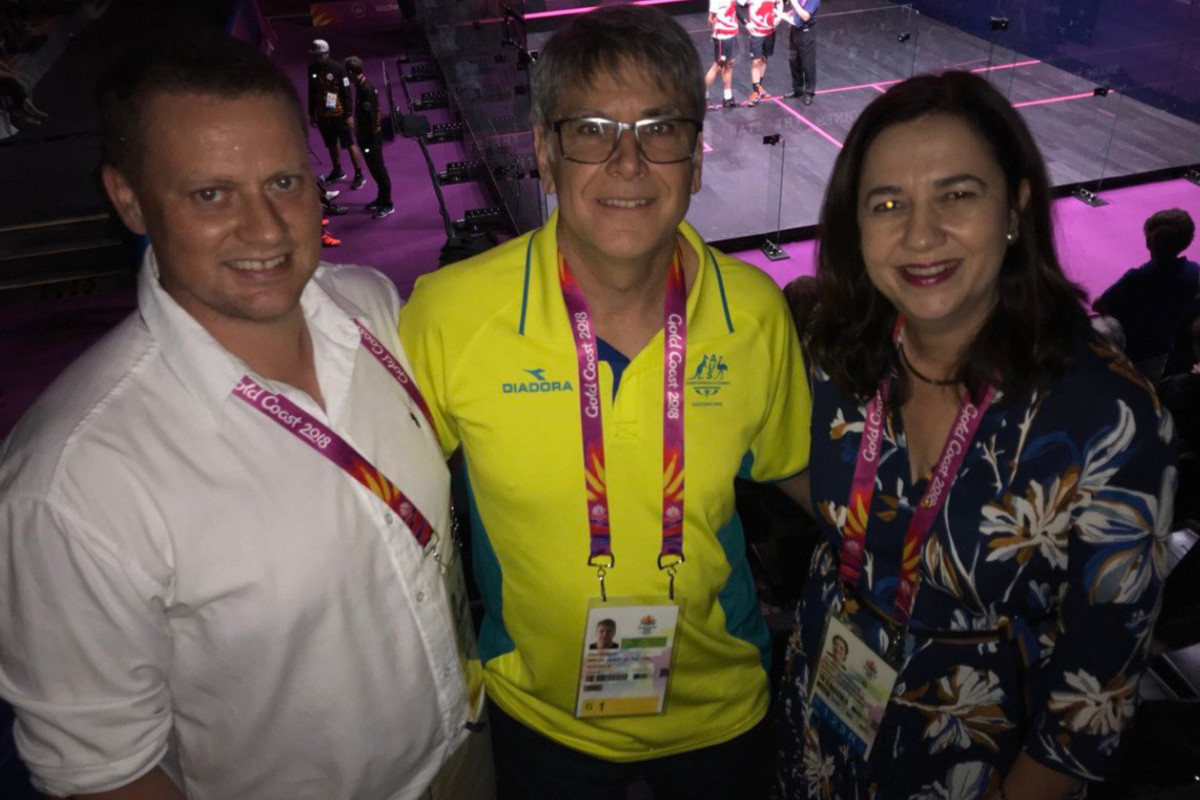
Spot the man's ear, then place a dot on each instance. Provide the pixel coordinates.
(541, 148)
(124, 199)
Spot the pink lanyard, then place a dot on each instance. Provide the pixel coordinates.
(862, 490)
(674, 359)
(394, 368)
(319, 437)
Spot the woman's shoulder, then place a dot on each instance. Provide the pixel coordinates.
(1100, 387)
(826, 390)
(1102, 372)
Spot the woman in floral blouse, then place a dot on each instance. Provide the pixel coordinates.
(993, 484)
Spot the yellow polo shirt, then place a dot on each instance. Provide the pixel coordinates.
(490, 344)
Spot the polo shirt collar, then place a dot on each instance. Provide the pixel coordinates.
(203, 366)
(543, 313)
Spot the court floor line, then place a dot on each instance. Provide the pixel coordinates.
(1046, 100)
(821, 131)
(563, 12)
(877, 84)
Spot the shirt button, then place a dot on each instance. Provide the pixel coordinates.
(387, 519)
(420, 597)
(446, 672)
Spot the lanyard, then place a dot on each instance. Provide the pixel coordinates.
(862, 490)
(600, 553)
(325, 441)
(395, 369)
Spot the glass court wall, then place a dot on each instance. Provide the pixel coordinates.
(1111, 91)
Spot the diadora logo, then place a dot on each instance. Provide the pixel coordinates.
(709, 377)
(536, 383)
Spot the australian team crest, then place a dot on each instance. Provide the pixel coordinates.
(708, 379)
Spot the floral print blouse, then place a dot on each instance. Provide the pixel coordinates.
(1053, 530)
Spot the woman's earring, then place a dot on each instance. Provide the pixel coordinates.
(1011, 238)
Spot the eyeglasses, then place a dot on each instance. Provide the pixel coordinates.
(660, 140)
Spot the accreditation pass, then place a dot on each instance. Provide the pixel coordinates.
(625, 665)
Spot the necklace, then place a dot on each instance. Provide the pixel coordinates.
(916, 374)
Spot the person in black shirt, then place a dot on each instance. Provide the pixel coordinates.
(329, 106)
(1154, 302)
(368, 127)
(802, 42)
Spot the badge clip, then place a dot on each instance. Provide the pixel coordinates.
(435, 553)
(670, 562)
(603, 563)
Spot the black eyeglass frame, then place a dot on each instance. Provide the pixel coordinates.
(634, 126)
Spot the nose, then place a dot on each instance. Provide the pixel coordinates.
(627, 161)
(923, 228)
(261, 221)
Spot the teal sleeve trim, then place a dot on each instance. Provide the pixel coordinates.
(787, 477)
(493, 637)
(525, 287)
(721, 287)
(746, 467)
(739, 598)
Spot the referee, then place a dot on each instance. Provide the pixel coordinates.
(368, 129)
(329, 107)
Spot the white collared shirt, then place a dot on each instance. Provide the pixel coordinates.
(184, 582)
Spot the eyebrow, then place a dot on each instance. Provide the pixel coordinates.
(648, 113)
(889, 191)
(193, 182)
(226, 180)
(940, 183)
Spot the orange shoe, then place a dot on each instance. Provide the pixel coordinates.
(329, 240)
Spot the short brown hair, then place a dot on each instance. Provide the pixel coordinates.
(1168, 233)
(208, 62)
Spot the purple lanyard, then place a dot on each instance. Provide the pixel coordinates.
(600, 553)
(319, 437)
(862, 490)
(394, 368)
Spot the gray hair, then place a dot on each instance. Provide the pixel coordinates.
(609, 39)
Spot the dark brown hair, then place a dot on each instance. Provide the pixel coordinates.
(204, 62)
(1168, 233)
(1034, 328)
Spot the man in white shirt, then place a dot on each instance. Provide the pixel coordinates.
(223, 529)
(761, 23)
(722, 18)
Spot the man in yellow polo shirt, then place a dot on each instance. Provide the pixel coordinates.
(608, 376)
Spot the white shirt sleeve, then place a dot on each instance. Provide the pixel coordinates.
(84, 645)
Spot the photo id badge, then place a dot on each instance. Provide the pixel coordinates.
(331, 100)
(851, 686)
(625, 665)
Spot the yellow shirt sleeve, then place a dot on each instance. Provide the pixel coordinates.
(425, 345)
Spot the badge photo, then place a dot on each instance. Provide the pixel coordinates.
(626, 655)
